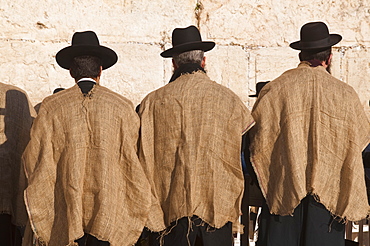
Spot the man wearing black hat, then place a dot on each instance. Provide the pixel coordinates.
(191, 131)
(85, 182)
(306, 149)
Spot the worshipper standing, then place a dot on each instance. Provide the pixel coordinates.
(190, 144)
(252, 198)
(16, 115)
(85, 181)
(306, 149)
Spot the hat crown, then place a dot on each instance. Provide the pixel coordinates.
(185, 35)
(86, 44)
(314, 31)
(315, 36)
(187, 39)
(85, 38)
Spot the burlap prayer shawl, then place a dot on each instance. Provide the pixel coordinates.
(83, 170)
(191, 132)
(309, 133)
(16, 114)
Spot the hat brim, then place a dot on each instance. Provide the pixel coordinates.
(334, 39)
(199, 45)
(65, 56)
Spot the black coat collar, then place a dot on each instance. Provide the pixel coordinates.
(184, 69)
(85, 85)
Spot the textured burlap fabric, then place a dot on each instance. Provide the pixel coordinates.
(16, 115)
(191, 132)
(83, 171)
(309, 133)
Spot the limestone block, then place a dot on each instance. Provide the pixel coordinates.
(356, 70)
(30, 66)
(277, 23)
(229, 66)
(268, 64)
(240, 68)
(116, 20)
(139, 70)
(336, 68)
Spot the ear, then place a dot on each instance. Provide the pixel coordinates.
(101, 70)
(328, 62)
(203, 64)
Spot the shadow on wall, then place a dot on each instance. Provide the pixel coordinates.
(15, 124)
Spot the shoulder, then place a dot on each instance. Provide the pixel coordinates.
(195, 84)
(113, 97)
(60, 98)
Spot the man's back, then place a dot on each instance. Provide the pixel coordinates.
(83, 169)
(310, 132)
(191, 135)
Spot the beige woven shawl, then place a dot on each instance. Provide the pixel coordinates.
(83, 170)
(191, 133)
(16, 115)
(309, 133)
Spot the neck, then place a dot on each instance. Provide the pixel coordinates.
(314, 63)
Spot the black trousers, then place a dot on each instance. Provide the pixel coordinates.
(198, 234)
(10, 235)
(88, 240)
(311, 225)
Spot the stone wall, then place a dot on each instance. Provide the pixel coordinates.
(252, 38)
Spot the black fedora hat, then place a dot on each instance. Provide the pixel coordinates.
(186, 39)
(86, 43)
(314, 36)
(259, 87)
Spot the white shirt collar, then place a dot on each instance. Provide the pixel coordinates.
(86, 79)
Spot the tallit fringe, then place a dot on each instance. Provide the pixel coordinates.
(166, 232)
(335, 217)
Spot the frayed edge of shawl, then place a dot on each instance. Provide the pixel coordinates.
(168, 231)
(236, 223)
(237, 227)
(339, 219)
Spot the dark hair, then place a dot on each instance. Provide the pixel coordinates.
(85, 67)
(321, 55)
